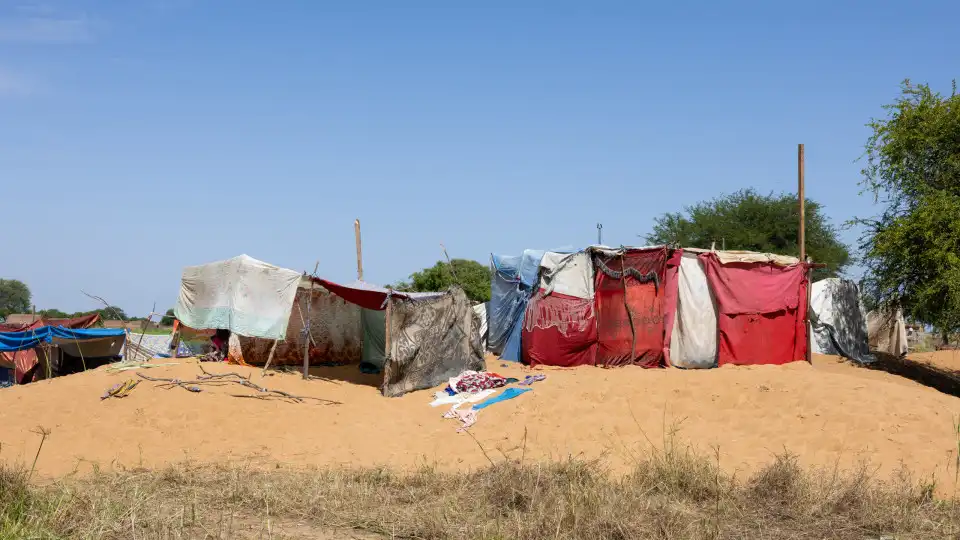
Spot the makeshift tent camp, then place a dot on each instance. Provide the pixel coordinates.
(838, 321)
(887, 332)
(429, 338)
(62, 350)
(612, 307)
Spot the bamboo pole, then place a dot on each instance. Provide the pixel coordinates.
(356, 233)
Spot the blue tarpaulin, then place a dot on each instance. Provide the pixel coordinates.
(514, 281)
(21, 341)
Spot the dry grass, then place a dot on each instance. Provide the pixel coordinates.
(671, 494)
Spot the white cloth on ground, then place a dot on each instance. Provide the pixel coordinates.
(443, 398)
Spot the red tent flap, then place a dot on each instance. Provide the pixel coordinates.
(559, 330)
(753, 287)
(761, 318)
(630, 307)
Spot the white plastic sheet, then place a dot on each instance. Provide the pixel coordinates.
(839, 325)
(243, 295)
(693, 343)
(569, 274)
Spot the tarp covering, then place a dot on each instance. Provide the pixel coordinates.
(694, 340)
(839, 325)
(630, 306)
(513, 282)
(374, 323)
(560, 324)
(432, 340)
(143, 347)
(560, 330)
(481, 311)
(370, 296)
(23, 361)
(20, 341)
(887, 332)
(246, 296)
(570, 274)
(762, 308)
(336, 334)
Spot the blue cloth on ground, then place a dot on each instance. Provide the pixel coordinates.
(509, 393)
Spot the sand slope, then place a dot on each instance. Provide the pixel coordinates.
(826, 413)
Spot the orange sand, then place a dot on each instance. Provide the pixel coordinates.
(827, 413)
(942, 360)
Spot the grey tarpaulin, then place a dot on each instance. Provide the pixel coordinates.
(431, 340)
(838, 321)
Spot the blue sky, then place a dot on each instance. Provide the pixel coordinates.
(141, 136)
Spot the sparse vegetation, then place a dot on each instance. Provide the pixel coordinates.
(669, 494)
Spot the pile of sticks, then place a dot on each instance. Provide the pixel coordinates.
(224, 379)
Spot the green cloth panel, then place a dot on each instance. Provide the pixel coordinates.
(374, 336)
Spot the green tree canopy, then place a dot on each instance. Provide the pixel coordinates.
(472, 276)
(168, 319)
(747, 220)
(14, 297)
(912, 249)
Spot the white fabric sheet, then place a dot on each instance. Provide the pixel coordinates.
(694, 340)
(481, 311)
(243, 295)
(567, 273)
(839, 325)
(888, 332)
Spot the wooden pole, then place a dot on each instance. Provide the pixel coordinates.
(273, 349)
(802, 240)
(306, 337)
(356, 233)
(800, 198)
(387, 341)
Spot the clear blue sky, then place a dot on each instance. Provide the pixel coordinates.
(141, 136)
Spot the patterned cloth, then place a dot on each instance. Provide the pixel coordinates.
(476, 382)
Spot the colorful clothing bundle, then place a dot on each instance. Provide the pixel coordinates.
(473, 382)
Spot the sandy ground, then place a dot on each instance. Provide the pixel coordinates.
(943, 360)
(827, 413)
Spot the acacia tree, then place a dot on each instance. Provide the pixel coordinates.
(750, 221)
(912, 249)
(472, 276)
(14, 297)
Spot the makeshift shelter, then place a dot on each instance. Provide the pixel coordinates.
(428, 337)
(887, 332)
(243, 295)
(657, 306)
(417, 340)
(60, 350)
(560, 323)
(513, 281)
(838, 321)
(22, 362)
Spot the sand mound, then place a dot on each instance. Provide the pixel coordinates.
(948, 361)
(827, 413)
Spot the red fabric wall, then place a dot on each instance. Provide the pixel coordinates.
(559, 330)
(761, 311)
(642, 328)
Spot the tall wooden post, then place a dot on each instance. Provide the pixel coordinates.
(802, 240)
(356, 232)
(800, 199)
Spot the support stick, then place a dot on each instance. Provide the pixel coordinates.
(356, 232)
(306, 337)
(273, 349)
(802, 240)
